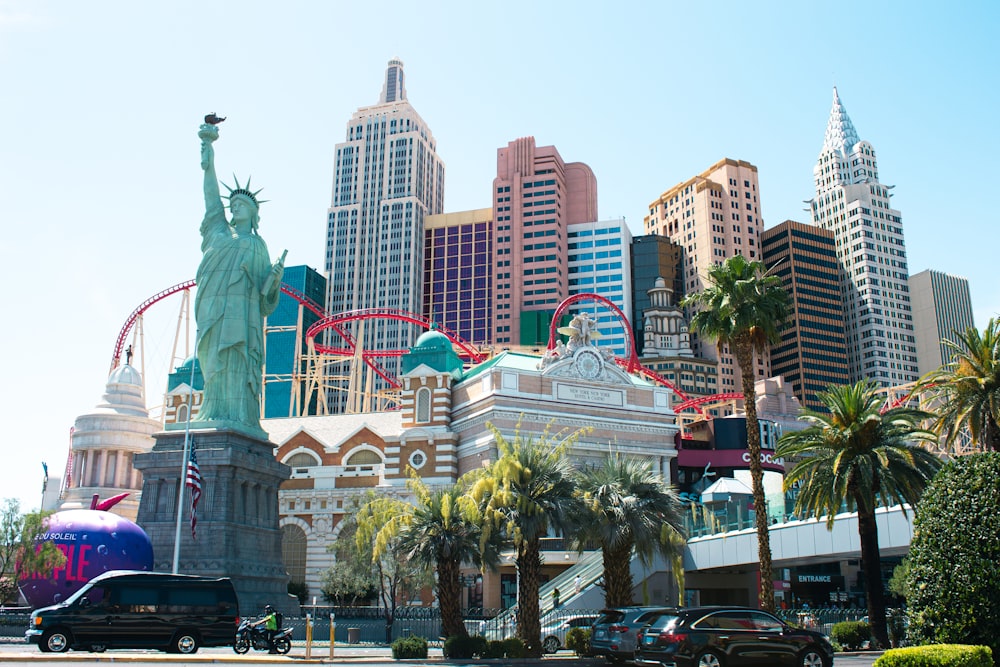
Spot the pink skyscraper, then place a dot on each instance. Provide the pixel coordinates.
(536, 196)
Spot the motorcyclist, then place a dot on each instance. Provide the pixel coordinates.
(270, 623)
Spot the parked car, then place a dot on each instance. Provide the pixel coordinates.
(554, 632)
(729, 636)
(613, 634)
(124, 609)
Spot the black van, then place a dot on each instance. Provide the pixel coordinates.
(125, 609)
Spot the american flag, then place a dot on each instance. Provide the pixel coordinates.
(193, 482)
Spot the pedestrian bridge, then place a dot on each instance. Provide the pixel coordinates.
(727, 560)
(801, 542)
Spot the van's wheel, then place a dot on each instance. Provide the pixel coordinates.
(55, 641)
(98, 648)
(550, 644)
(185, 641)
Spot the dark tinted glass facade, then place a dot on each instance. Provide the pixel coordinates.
(458, 279)
(812, 353)
(282, 334)
(652, 257)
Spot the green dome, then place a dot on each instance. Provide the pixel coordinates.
(433, 349)
(433, 339)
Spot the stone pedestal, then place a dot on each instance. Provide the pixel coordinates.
(237, 532)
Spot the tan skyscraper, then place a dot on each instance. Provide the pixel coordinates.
(712, 216)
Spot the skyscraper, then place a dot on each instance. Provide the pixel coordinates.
(458, 273)
(598, 264)
(712, 216)
(811, 353)
(852, 202)
(942, 306)
(286, 345)
(652, 257)
(387, 178)
(536, 197)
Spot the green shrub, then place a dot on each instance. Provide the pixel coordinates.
(937, 655)
(851, 635)
(954, 561)
(578, 640)
(464, 647)
(494, 649)
(408, 648)
(513, 647)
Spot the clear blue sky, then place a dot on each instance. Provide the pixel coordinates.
(100, 184)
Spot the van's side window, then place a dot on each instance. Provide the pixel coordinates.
(191, 600)
(139, 599)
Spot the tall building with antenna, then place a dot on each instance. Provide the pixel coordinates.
(853, 203)
(387, 178)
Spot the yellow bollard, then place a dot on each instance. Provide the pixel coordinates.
(333, 632)
(309, 636)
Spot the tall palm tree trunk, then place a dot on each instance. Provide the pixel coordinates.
(529, 627)
(449, 597)
(618, 575)
(871, 562)
(744, 357)
(991, 434)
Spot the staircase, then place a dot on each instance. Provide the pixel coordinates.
(590, 567)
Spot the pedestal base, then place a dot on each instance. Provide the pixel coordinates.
(237, 529)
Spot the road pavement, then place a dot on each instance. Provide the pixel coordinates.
(374, 656)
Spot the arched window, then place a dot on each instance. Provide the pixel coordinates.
(364, 457)
(293, 552)
(301, 460)
(423, 405)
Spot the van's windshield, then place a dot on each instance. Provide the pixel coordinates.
(75, 598)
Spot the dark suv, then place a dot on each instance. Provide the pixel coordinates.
(728, 637)
(613, 634)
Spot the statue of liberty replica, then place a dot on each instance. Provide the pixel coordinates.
(237, 288)
(225, 523)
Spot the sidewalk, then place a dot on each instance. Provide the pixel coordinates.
(320, 654)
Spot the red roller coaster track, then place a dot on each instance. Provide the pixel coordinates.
(467, 351)
(631, 363)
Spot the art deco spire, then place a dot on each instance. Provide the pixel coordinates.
(840, 133)
(393, 89)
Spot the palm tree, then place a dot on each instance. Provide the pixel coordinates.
(525, 493)
(629, 507)
(440, 530)
(966, 392)
(743, 307)
(860, 456)
(444, 531)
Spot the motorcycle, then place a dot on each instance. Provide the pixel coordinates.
(249, 636)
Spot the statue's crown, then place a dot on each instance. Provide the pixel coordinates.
(244, 191)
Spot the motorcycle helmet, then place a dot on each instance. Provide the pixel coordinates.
(268, 609)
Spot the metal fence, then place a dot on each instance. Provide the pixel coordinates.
(366, 625)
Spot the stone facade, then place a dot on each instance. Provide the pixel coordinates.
(237, 529)
(441, 432)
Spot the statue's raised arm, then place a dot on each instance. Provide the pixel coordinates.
(213, 200)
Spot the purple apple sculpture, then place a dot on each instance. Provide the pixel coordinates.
(94, 541)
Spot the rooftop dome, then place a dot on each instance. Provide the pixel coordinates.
(433, 339)
(125, 374)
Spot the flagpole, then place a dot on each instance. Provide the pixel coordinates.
(184, 463)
